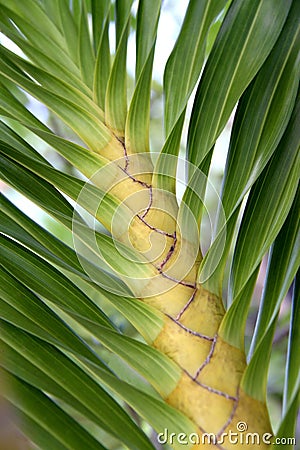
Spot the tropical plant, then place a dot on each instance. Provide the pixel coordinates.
(185, 369)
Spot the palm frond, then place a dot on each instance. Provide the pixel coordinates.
(124, 330)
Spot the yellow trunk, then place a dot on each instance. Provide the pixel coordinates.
(208, 391)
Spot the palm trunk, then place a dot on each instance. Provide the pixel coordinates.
(208, 391)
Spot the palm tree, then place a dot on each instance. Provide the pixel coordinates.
(135, 250)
